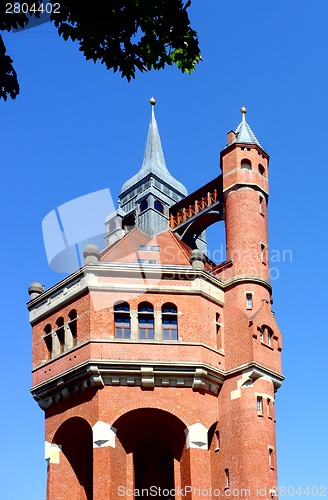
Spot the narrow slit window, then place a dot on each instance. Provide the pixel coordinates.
(269, 406)
(271, 457)
(227, 478)
(259, 401)
(263, 253)
(73, 326)
(218, 331)
(262, 205)
(249, 300)
(218, 440)
(48, 340)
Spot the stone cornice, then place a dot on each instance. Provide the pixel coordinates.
(144, 374)
(150, 374)
(247, 278)
(244, 184)
(255, 371)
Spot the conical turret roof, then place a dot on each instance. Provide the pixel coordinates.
(244, 133)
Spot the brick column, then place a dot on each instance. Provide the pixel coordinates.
(199, 461)
(101, 474)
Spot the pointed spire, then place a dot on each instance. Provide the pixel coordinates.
(154, 161)
(244, 133)
(154, 156)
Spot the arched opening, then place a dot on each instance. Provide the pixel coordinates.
(261, 169)
(154, 439)
(61, 333)
(76, 459)
(143, 205)
(159, 206)
(245, 163)
(48, 340)
(72, 325)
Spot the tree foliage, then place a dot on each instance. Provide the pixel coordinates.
(124, 35)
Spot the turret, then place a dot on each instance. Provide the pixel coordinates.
(244, 165)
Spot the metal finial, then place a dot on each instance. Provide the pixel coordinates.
(152, 101)
(243, 112)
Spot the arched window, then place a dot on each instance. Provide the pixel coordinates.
(170, 321)
(48, 339)
(159, 206)
(143, 205)
(73, 326)
(261, 169)
(61, 333)
(266, 335)
(122, 320)
(245, 163)
(146, 320)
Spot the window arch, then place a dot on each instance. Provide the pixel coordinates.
(72, 315)
(158, 205)
(61, 333)
(170, 321)
(261, 169)
(146, 320)
(122, 320)
(266, 335)
(143, 205)
(47, 329)
(245, 163)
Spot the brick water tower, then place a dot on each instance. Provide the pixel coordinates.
(157, 368)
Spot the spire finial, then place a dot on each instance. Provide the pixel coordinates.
(243, 112)
(152, 101)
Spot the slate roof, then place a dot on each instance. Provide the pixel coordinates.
(154, 162)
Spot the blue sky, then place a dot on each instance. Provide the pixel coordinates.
(77, 128)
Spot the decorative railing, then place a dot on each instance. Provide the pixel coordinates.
(198, 206)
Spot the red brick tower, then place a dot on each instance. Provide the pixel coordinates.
(156, 368)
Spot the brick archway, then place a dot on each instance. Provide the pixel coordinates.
(151, 444)
(172, 410)
(75, 461)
